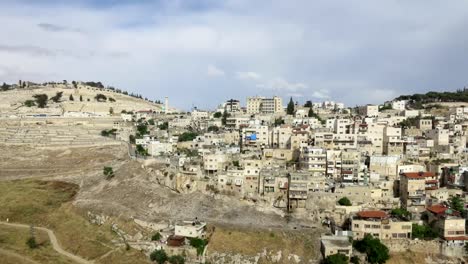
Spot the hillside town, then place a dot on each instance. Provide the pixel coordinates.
(393, 174)
(390, 172)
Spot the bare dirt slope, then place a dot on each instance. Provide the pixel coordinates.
(132, 192)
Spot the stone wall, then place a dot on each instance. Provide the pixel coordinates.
(421, 246)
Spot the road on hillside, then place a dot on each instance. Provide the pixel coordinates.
(53, 241)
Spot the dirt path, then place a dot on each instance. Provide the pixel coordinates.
(17, 256)
(54, 242)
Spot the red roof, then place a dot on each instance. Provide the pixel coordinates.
(372, 214)
(437, 209)
(418, 175)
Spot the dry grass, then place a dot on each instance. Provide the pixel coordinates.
(251, 242)
(48, 204)
(14, 240)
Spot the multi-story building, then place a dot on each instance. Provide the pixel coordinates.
(350, 165)
(314, 160)
(255, 136)
(369, 110)
(413, 186)
(298, 189)
(448, 222)
(380, 225)
(262, 105)
(281, 137)
(214, 163)
(392, 142)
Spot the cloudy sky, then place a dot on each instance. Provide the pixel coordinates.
(202, 52)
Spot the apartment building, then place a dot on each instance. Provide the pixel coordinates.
(214, 163)
(369, 110)
(350, 165)
(298, 189)
(440, 136)
(424, 124)
(263, 105)
(392, 142)
(255, 136)
(449, 223)
(281, 137)
(413, 186)
(380, 225)
(314, 160)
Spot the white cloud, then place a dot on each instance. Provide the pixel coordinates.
(248, 76)
(158, 50)
(280, 84)
(321, 94)
(214, 71)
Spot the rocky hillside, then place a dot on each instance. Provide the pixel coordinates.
(83, 98)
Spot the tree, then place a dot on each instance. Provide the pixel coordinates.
(224, 118)
(151, 122)
(131, 139)
(344, 201)
(41, 100)
(156, 237)
(187, 136)
(71, 98)
(29, 103)
(199, 244)
(354, 260)
(142, 130)
(111, 110)
(176, 259)
(423, 232)
(108, 172)
(74, 84)
(213, 129)
(57, 97)
(336, 259)
(141, 150)
(290, 107)
(100, 97)
(308, 104)
(456, 204)
(164, 126)
(81, 98)
(31, 242)
(5, 87)
(400, 212)
(217, 115)
(279, 121)
(159, 256)
(111, 99)
(311, 112)
(376, 251)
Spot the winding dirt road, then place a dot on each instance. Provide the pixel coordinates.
(53, 241)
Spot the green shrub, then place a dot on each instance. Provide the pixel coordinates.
(344, 201)
(376, 251)
(156, 237)
(336, 259)
(199, 244)
(159, 256)
(31, 242)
